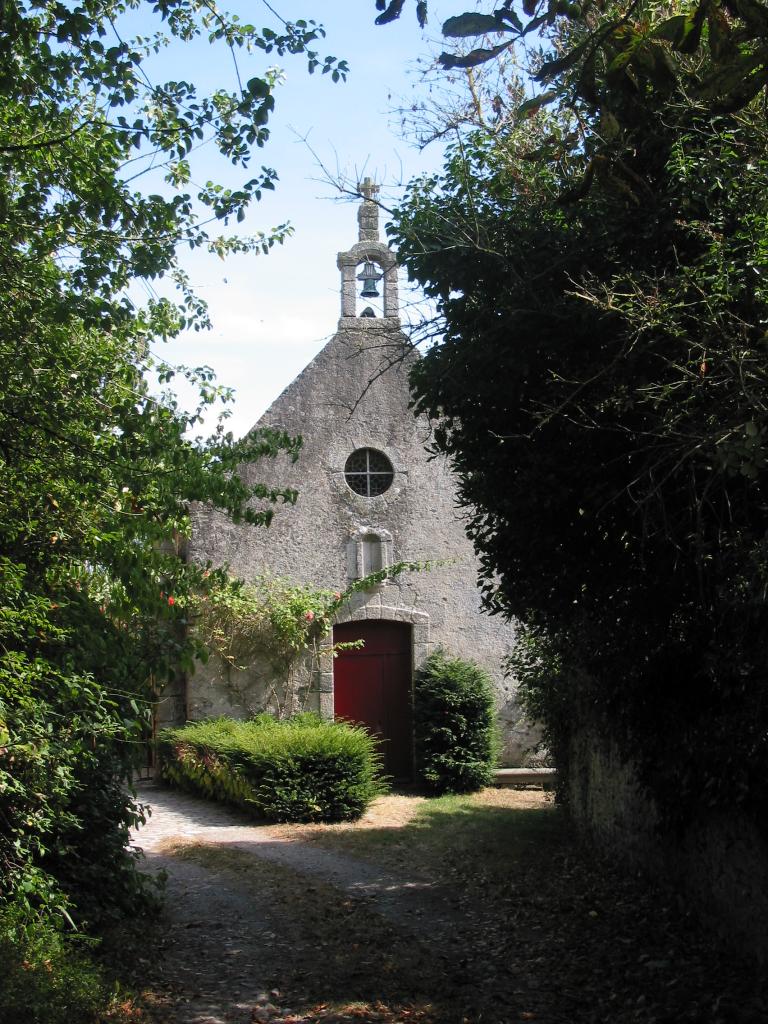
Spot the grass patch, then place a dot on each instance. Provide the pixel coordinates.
(535, 928)
(46, 978)
(482, 835)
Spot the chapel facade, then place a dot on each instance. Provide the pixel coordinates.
(370, 495)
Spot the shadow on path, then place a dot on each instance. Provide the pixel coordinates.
(478, 915)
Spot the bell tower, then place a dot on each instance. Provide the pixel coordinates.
(370, 253)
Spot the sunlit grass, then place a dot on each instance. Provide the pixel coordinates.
(482, 834)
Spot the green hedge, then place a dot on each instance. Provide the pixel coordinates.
(303, 769)
(455, 731)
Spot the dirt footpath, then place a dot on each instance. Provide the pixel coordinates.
(484, 913)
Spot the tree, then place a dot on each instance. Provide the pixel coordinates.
(613, 46)
(601, 388)
(98, 474)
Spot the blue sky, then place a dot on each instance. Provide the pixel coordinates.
(272, 314)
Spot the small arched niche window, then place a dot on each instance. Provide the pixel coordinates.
(368, 472)
(371, 554)
(369, 550)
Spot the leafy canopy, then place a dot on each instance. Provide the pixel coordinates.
(598, 262)
(615, 47)
(99, 474)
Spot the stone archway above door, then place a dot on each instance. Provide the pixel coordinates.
(421, 643)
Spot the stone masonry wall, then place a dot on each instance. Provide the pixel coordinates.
(721, 862)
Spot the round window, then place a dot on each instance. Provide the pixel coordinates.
(368, 472)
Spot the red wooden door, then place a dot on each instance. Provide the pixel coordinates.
(372, 686)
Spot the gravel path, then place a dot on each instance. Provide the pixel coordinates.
(510, 920)
(179, 817)
(225, 941)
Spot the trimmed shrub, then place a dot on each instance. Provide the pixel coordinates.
(455, 729)
(302, 769)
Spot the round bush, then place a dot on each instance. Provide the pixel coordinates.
(455, 728)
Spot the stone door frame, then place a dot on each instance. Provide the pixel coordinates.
(420, 643)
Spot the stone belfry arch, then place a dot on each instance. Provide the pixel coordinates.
(368, 249)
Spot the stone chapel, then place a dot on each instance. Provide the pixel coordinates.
(369, 496)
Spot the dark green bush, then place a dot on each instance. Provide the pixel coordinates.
(303, 769)
(454, 724)
(46, 976)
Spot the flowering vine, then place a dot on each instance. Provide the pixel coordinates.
(276, 619)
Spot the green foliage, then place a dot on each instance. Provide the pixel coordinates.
(302, 769)
(620, 54)
(455, 731)
(240, 621)
(97, 472)
(273, 616)
(551, 692)
(601, 391)
(65, 748)
(46, 976)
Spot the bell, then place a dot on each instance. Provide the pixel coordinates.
(369, 276)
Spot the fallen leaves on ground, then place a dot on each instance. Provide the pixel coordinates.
(536, 928)
(367, 1013)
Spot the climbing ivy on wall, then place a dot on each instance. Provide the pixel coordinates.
(276, 620)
